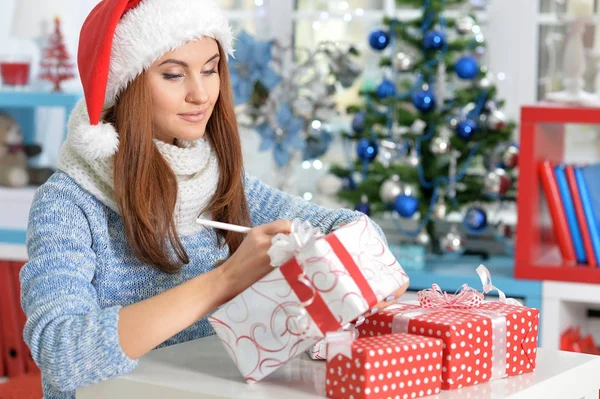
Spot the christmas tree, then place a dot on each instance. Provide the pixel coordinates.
(56, 63)
(430, 137)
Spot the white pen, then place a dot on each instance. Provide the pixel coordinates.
(223, 226)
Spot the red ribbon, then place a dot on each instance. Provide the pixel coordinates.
(312, 300)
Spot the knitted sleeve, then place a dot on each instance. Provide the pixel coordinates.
(72, 340)
(268, 204)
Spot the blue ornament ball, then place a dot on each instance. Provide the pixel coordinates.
(379, 39)
(406, 205)
(358, 122)
(363, 207)
(366, 150)
(386, 89)
(466, 129)
(434, 40)
(476, 219)
(424, 100)
(466, 67)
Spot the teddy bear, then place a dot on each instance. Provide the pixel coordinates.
(14, 154)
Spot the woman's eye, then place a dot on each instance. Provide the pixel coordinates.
(169, 76)
(210, 72)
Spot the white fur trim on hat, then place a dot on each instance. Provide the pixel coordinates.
(155, 27)
(91, 142)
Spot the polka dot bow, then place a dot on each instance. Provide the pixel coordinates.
(465, 298)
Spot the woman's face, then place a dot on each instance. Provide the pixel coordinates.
(184, 85)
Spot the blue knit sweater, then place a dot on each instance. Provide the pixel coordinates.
(81, 272)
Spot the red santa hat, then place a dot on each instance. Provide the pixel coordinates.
(122, 38)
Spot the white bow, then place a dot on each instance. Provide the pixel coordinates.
(286, 246)
(339, 343)
(486, 280)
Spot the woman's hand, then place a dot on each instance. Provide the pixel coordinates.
(250, 262)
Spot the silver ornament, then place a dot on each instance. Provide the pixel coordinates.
(487, 82)
(440, 210)
(465, 24)
(497, 183)
(496, 120)
(423, 238)
(440, 145)
(408, 190)
(390, 189)
(453, 242)
(413, 158)
(403, 62)
(510, 157)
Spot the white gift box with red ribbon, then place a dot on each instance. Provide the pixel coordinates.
(323, 283)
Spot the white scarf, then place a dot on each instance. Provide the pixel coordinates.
(194, 163)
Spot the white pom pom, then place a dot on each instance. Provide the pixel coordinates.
(95, 141)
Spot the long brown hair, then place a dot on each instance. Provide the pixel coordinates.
(146, 187)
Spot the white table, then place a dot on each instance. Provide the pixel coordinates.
(202, 369)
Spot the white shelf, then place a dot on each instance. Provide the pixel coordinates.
(14, 205)
(566, 304)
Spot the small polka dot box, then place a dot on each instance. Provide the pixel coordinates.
(493, 341)
(325, 286)
(393, 365)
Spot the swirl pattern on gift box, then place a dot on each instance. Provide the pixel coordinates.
(328, 282)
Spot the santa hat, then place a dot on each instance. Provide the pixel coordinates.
(122, 38)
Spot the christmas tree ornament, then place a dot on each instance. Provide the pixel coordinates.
(453, 242)
(379, 39)
(343, 66)
(418, 126)
(424, 100)
(358, 121)
(406, 205)
(366, 150)
(510, 157)
(497, 183)
(363, 206)
(329, 184)
(390, 189)
(496, 120)
(408, 189)
(440, 144)
(466, 129)
(466, 67)
(486, 82)
(403, 62)
(423, 238)
(56, 65)
(318, 140)
(475, 219)
(413, 158)
(440, 210)
(465, 24)
(434, 40)
(503, 230)
(386, 89)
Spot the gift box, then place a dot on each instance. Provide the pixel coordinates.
(483, 340)
(393, 365)
(327, 282)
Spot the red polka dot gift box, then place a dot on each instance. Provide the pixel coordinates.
(394, 365)
(319, 284)
(482, 340)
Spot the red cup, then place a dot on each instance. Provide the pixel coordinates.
(15, 70)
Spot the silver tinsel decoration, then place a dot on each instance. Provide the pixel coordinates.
(390, 189)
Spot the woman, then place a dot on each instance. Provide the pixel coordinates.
(117, 264)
